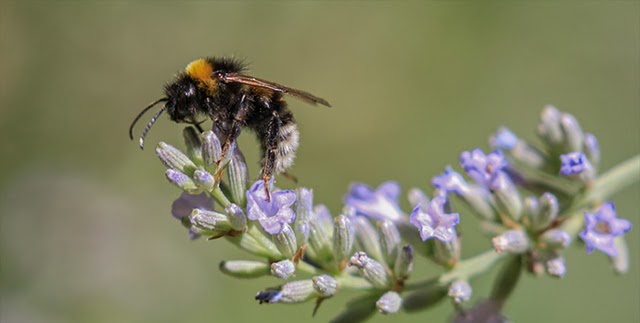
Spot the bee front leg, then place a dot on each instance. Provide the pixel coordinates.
(233, 134)
(234, 129)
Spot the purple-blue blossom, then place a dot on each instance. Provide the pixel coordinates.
(432, 221)
(504, 139)
(602, 227)
(273, 214)
(574, 163)
(381, 204)
(450, 181)
(483, 168)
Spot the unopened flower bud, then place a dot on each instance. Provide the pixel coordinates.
(555, 239)
(446, 253)
(404, 264)
(285, 240)
(210, 221)
(297, 291)
(325, 285)
(549, 126)
(389, 303)
(514, 241)
(390, 240)
(343, 237)
(556, 266)
(238, 177)
(549, 209)
(244, 268)
(507, 197)
(211, 150)
(283, 269)
(370, 269)
(175, 159)
(573, 135)
(319, 239)
(460, 291)
(181, 180)
(193, 143)
(204, 180)
(237, 218)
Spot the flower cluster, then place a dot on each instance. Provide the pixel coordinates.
(532, 202)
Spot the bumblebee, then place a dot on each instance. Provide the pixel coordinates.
(218, 89)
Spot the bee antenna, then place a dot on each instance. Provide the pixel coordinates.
(141, 113)
(151, 122)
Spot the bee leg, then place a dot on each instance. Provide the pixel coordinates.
(270, 148)
(234, 131)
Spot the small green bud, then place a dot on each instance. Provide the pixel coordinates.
(513, 241)
(389, 303)
(460, 291)
(175, 159)
(210, 221)
(404, 264)
(211, 150)
(283, 269)
(182, 181)
(371, 270)
(204, 180)
(244, 268)
(325, 285)
(193, 143)
(286, 241)
(343, 237)
(390, 241)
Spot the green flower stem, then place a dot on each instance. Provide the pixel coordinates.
(464, 269)
(304, 267)
(353, 282)
(611, 182)
(220, 197)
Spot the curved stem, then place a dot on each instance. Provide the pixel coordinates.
(464, 269)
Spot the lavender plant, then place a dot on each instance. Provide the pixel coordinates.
(532, 201)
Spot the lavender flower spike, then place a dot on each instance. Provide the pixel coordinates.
(602, 227)
(274, 214)
(433, 222)
(381, 204)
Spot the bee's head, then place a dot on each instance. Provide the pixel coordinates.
(183, 99)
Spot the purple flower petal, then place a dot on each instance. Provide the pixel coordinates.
(574, 163)
(183, 206)
(602, 227)
(272, 215)
(381, 204)
(434, 222)
(450, 181)
(483, 168)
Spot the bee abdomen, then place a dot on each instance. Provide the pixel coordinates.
(287, 144)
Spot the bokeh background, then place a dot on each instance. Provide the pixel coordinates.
(86, 233)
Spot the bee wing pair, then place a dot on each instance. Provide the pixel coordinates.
(254, 81)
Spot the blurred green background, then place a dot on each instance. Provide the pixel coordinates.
(86, 233)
